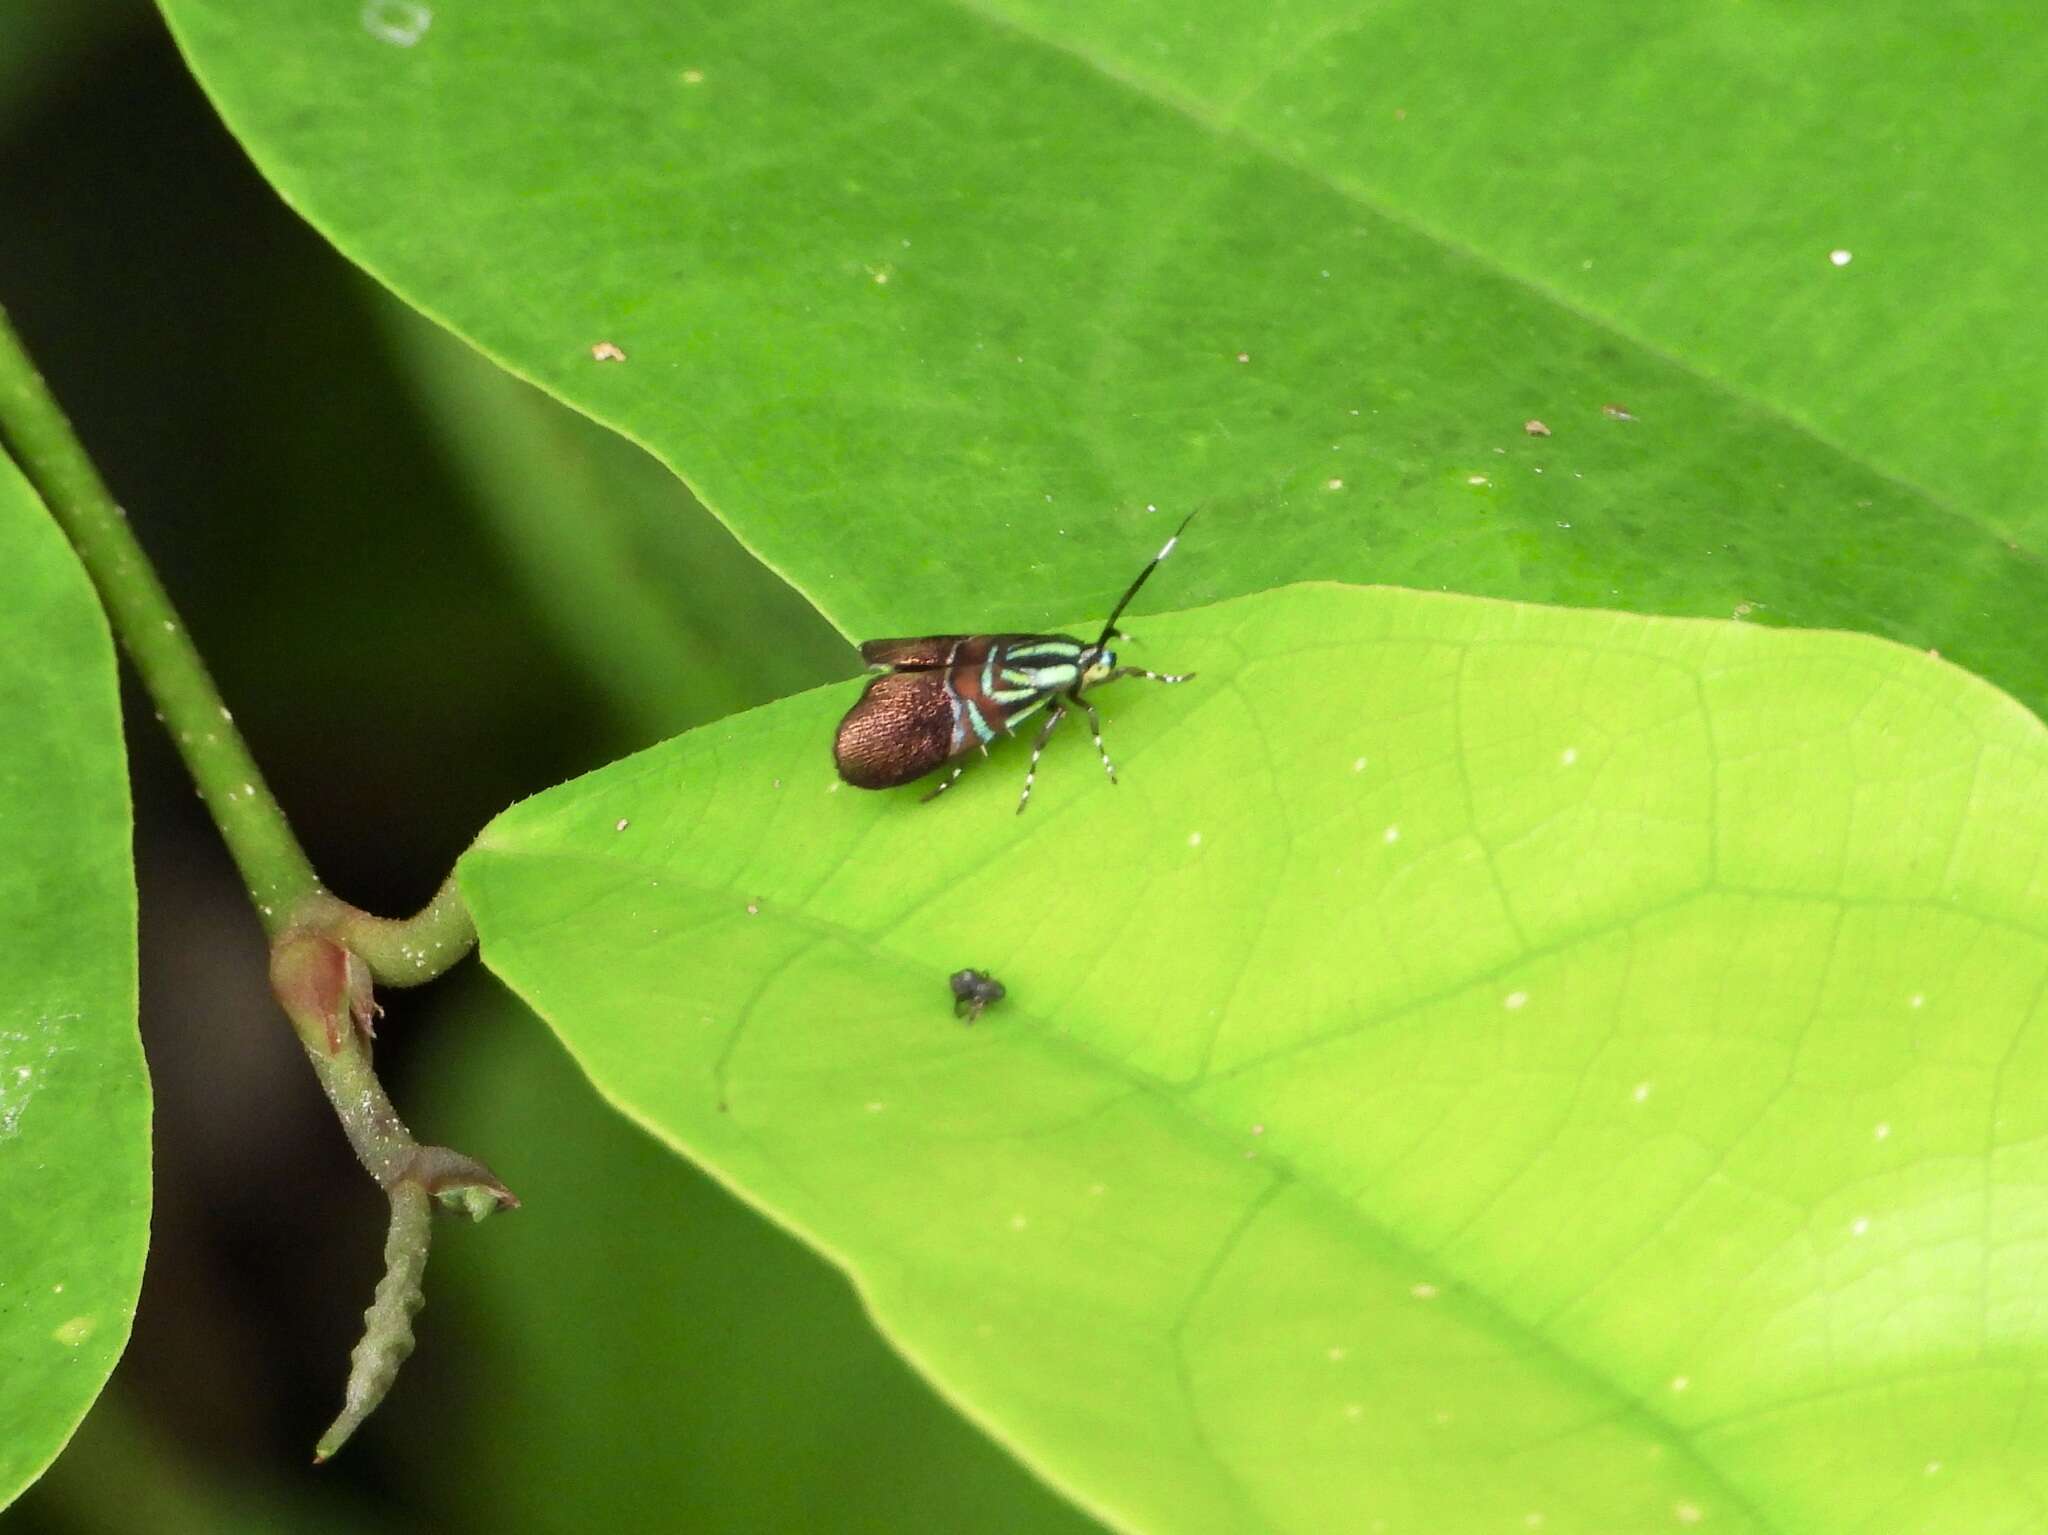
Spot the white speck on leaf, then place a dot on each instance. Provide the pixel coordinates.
(1859, 1225)
(1515, 1001)
(1880, 1131)
(1019, 1222)
(1642, 1092)
(1680, 1382)
(693, 77)
(1840, 257)
(74, 1332)
(1194, 839)
(1424, 1291)
(1568, 756)
(1686, 1513)
(16, 1096)
(400, 23)
(621, 824)
(1391, 835)
(1358, 764)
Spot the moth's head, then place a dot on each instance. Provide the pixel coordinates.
(1098, 660)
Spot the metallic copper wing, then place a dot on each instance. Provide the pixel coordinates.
(900, 729)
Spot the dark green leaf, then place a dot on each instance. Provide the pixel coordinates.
(74, 1095)
(928, 301)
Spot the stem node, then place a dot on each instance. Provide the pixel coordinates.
(325, 954)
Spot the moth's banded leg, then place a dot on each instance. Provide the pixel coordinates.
(1059, 712)
(942, 788)
(1139, 671)
(1095, 724)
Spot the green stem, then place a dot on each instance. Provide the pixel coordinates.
(400, 951)
(324, 988)
(273, 865)
(325, 992)
(324, 953)
(387, 1325)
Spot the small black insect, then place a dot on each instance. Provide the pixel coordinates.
(974, 992)
(941, 695)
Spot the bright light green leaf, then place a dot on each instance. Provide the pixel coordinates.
(928, 300)
(1485, 1067)
(74, 1095)
(735, 1349)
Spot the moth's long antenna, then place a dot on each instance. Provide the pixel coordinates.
(1124, 601)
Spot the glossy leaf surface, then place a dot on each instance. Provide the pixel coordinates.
(74, 1094)
(928, 300)
(1485, 1067)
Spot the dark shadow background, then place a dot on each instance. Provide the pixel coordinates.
(632, 1350)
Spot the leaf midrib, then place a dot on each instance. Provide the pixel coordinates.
(1232, 130)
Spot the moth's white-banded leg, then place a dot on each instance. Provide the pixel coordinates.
(1058, 713)
(1139, 671)
(942, 788)
(1095, 724)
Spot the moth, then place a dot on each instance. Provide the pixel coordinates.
(941, 696)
